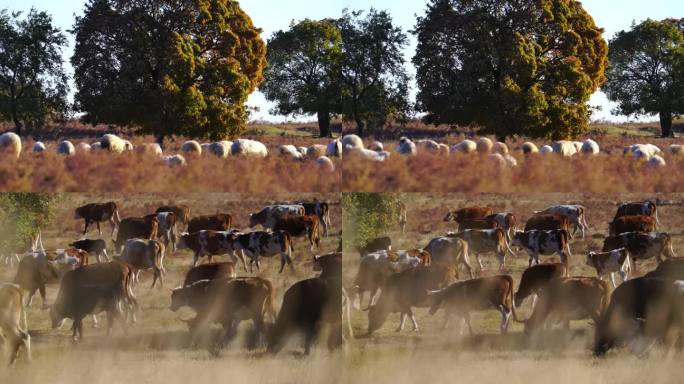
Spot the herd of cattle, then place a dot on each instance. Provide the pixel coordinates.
(321, 155)
(650, 307)
(498, 152)
(213, 290)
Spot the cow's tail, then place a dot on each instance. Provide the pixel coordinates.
(668, 246)
(511, 299)
(655, 211)
(117, 219)
(505, 240)
(566, 241)
(605, 297)
(286, 247)
(583, 218)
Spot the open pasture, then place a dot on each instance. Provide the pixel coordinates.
(157, 348)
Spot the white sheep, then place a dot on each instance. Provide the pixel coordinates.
(291, 151)
(66, 148)
(484, 145)
(174, 161)
(465, 146)
(406, 146)
(655, 161)
(83, 147)
(529, 147)
(545, 149)
(590, 147)
(303, 150)
(325, 164)
(112, 143)
(510, 159)
(149, 148)
(578, 146)
(369, 155)
(192, 148)
(676, 149)
(316, 150)
(497, 159)
(351, 141)
(642, 151)
(205, 148)
(376, 146)
(246, 147)
(96, 147)
(334, 148)
(38, 147)
(220, 149)
(564, 148)
(128, 146)
(500, 147)
(10, 143)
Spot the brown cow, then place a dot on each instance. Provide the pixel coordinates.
(181, 211)
(475, 212)
(486, 240)
(647, 208)
(476, 294)
(217, 222)
(136, 227)
(642, 246)
(636, 223)
(143, 254)
(11, 311)
(95, 213)
(536, 277)
(548, 222)
(297, 226)
(486, 223)
(572, 298)
(211, 271)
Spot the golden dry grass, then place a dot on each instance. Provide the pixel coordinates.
(157, 349)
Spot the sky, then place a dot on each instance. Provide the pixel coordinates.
(274, 15)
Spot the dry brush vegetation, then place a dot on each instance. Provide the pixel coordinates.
(157, 347)
(436, 355)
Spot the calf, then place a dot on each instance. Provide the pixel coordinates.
(486, 240)
(574, 213)
(641, 246)
(573, 298)
(308, 305)
(260, 244)
(537, 242)
(181, 211)
(647, 208)
(640, 223)
(536, 278)
(227, 302)
(297, 226)
(211, 271)
(548, 222)
(143, 254)
(92, 289)
(268, 216)
(449, 251)
(217, 222)
(405, 290)
(476, 294)
(383, 243)
(11, 312)
(96, 247)
(136, 227)
(98, 212)
(211, 243)
(615, 261)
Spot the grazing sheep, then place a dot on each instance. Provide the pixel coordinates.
(128, 146)
(66, 148)
(192, 148)
(303, 150)
(500, 147)
(406, 146)
(325, 164)
(444, 149)
(497, 159)
(315, 151)
(465, 146)
(334, 148)
(484, 145)
(246, 147)
(149, 148)
(351, 142)
(578, 146)
(510, 160)
(112, 143)
(205, 148)
(220, 149)
(529, 147)
(564, 148)
(655, 162)
(10, 143)
(96, 146)
(174, 161)
(642, 151)
(376, 146)
(38, 147)
(589, 147)
(83, 147)
(369, 155)
(676, 149)
(290, 151)
(546, 149)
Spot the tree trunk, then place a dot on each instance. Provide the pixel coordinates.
(666, 124)
(324, 123)
(360, 126)
(160, 140)
(15, 116)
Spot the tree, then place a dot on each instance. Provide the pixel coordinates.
(374, 80)
(525, 67)
(167, 67)
(368, 215)
(23, 214)
(301, 76)
(33, 84)
(646, 71)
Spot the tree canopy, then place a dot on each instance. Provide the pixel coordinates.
(23, 214)
(33, 84)
(646, 71)
(525, 67)
(168, 67)
(303, 64)
(368, 215)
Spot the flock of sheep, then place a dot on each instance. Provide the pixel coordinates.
(320, 154)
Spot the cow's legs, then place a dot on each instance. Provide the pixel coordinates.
(85, 229)
(98, 228)
(77, 327)
(502, 260)
(612, 279)
(413, 320)
(41, 289)
(479, 261)
(466, 318)
(112, 224)
(505, 317)
(402, 319)
(94, 320)
(106, 257)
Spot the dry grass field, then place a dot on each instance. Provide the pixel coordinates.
(157, 348)
(433, 354)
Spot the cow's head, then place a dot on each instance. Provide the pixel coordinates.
(182, 242)
(518, 239)
(377, 315)
(178, 298)
(56, 316)
(590, 259)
